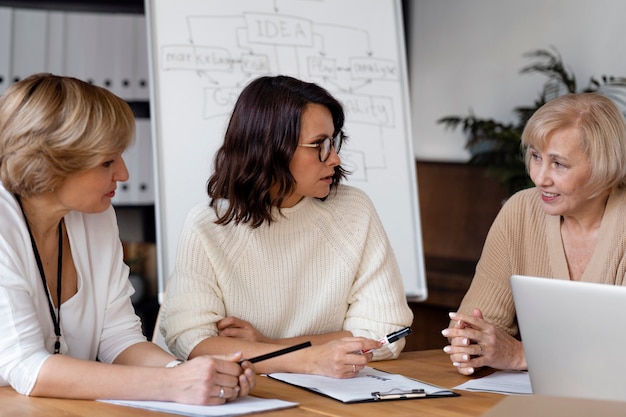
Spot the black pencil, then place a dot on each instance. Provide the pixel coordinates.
(277, 353)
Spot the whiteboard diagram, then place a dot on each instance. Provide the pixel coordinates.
(263, 43)
(203, 52)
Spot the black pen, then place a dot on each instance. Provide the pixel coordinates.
(392, 337)
(277, 353)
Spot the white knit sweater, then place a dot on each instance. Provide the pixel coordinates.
(323, 266)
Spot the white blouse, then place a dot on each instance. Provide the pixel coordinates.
(99, 321)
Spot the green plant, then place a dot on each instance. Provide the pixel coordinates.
(497, 146)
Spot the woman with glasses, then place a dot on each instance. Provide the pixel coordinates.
(283, 253)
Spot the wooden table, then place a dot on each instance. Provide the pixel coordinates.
(432, 366)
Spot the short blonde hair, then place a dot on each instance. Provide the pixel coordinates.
(53, 126)
(602, 132)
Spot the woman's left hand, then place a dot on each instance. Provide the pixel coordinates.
(475, 343)
(240, 329)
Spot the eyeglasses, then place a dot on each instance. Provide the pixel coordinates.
(324, 146)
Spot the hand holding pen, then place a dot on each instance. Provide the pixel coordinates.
(392, 337)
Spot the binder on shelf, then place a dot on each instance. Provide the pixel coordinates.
(140, 80)
(123, 41)
(55, 59)
(143, 169)
(370, 385)
(6, 46)
(80, 46)
(103, 67)
(29, 41)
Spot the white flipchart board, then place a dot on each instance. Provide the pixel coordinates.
(203, 52)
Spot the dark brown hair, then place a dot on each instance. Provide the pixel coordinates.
(261, 138)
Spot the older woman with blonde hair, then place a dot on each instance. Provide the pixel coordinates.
(68, 326)
(570, 226)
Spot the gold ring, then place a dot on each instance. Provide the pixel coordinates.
(481, 350)
(221, 392)
(354, 368)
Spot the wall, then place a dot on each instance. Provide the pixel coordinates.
(467, 55)
(457, 206)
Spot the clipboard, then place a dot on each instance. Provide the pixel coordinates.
(369, 385)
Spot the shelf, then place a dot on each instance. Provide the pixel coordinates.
(109, 6)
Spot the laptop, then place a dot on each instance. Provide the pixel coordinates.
(574, 336)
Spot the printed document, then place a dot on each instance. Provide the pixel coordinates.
(364, 386)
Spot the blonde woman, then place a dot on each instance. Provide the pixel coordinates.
(68, 326)
(571, 226)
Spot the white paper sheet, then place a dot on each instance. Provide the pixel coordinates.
(245, 405)
(501, 382)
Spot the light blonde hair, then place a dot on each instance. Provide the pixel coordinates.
(54, 126)
(601, 129)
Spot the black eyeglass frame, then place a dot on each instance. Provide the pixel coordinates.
(325, 144)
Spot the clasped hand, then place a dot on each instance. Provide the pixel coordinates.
(240, 329)
(475, 343)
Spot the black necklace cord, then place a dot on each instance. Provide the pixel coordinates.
(56, 318)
